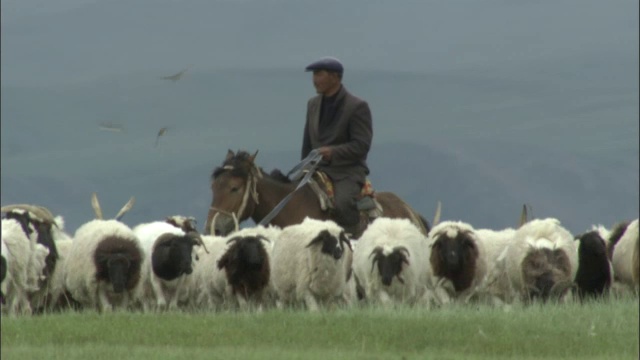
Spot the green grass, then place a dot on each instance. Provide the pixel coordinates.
(600, 330)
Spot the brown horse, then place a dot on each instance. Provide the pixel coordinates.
(241, 190)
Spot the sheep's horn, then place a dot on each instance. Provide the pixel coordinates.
(235, 238)
(95, 204)
(262, 237)
(436, 217)
(212, 226)
(126, 208)
(403, 249)
(39, 211)
(195, 235)
(523, 216)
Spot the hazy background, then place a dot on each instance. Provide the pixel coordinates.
(483, 105)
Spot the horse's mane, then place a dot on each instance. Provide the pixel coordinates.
(277, 175)
(239, 162)
(240, 168)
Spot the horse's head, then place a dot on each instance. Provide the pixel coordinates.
(234, 193)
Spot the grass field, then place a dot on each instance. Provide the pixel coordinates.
(599, 330)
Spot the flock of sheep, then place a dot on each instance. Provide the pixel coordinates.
(167, 264)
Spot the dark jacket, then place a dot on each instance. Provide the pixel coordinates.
(349, 135)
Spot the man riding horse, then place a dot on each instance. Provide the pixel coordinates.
(339, 126)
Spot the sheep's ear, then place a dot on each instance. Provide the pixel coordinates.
(230, 155)
(320, 238)
(343, 238)
(223, 262)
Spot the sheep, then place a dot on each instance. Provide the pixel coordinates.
(3, 272)
(595, 272)
(312, 264)
(25, 262)
(38, 224)
(457, 258)
(624, 246)
(390, 262)
(542, 260)
(103, 268)
(169, 254)
(206, 287)
(247, 266)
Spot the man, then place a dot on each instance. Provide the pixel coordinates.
(339, 126)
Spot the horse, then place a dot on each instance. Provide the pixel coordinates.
(241, 190)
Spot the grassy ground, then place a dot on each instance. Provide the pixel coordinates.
(592, 331)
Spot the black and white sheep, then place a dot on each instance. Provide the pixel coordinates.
(542, 260)
(312, 264)
(624, 248)
(391, 262)
(458, 258)
(247, 265)
(25, 262)
(103, 269)
(169, 255)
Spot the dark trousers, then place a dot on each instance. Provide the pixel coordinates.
(346, 192)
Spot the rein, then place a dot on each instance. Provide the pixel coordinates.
(312, 159)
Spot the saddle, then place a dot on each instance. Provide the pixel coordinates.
(322, 185)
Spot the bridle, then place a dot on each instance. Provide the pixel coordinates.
(250, 189)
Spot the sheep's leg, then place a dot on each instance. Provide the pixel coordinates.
(310, 301)
(173, 303)
(161, 302)
(103, 301)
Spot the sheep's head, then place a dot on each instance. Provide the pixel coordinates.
(246, 265)
(172, 255)
(390, 264)
(246, 249)
(543, 269)
(330, 245)
(454, 254)
(118, 261)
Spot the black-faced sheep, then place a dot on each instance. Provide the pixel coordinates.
(457, 257)
(247, 266)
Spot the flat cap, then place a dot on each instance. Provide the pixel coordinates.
(326, 63)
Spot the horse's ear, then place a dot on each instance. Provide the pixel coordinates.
(230, 155)
(253, 157)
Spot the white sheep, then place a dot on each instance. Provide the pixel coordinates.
(542, 260)
(311, 263)
(206, 287)
(391, 262)
(624, 256)
(169, 254)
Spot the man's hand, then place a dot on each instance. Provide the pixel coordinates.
(326, 152)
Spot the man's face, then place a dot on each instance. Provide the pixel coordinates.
(324, 81)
